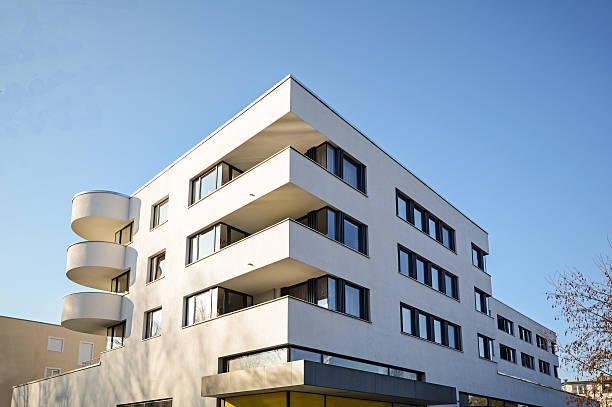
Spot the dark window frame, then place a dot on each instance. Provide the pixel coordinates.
(527, 361)
(154, 266)
(310, 220)
(191, 260)
(412, 272)
(525, 334)
(115, 283)
(480, 258)
(338, 167)
(247, 302)
(505, 325)
(149, 403)
(148, 331)
(484, 301)
(544, 367)
(411, 205)
(507, 353)
(488, 347)
(118, 234)
(430, 334)
(192, 198)
(112, 335)
(155, 212)
(541, 342)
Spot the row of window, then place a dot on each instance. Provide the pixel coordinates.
(486, 351)
(408, 210)
(337, 161)
(504, 324)
(85, 354)
(481, 300)
(424, 271)
(472, 400)
(338, 226)
(426, 326)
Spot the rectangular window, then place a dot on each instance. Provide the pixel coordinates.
(527, 361)
(525, 334)
(423, 220)
(482, 301)
(124, 235)
(478, 257)
(338, 226)
(55, 344)
(212, 179)
(86, 353)
(553, 347)
(153, 322)
(544, 367)
(213, 303)
(607, 387)
(154, 403)
(505, 325)
(157, 267)
(334, 294)
(213, 239)
(541, 342)
(417, 323)
(115, 335)
(120, 284)
(485, 347)
(507, 353)
(160, 213)
(422, 270)
(52, 371)
(336, 161)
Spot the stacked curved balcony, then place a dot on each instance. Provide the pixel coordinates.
(96, 216)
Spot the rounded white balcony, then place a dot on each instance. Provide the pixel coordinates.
(97, 215)
(91, 312)
(95, 263)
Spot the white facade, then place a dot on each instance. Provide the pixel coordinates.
(268, 141)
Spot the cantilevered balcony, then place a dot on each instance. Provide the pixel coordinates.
(97, 215)
(91, 312)
(95, 263)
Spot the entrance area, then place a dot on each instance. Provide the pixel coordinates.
(298, 399)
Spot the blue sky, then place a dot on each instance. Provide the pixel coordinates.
(502, 107)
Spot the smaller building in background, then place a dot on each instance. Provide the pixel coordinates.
(599, 389)
(31, 350)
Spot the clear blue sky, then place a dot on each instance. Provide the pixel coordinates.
(505, 108)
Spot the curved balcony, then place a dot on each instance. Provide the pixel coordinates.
(91, 312)
(94, 264)
(97, 215)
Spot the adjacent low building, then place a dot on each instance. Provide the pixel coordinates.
(599, 390)
(32, 350)
(288, 260)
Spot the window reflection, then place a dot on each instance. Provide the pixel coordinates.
(213, 239)
(213, 303)
(211, 180)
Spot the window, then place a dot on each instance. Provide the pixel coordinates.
(505, 325)
(153, 321)
(544, 367)
(418, 323)
(154, 403)
(338, 226)
(424, 271)
(411, 212)
(120, 284)
(507, 353)
(86, 353)
(525, 334)
(212, 179)
(289, 354)
(124, 235)
(527, 361)
(334, 294)
(336, 161)
(52, 371)
(482, 301)
(160, 213)
(115, 335)
(553, 347)
(213, 303)
(55, 344)
(210, 240)
(606, 387)
(157, 267)
(485, 347)
(478, 257)
(541, 342)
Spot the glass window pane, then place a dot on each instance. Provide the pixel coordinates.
(330, 160)
(234, 301)
(156, 320)
(437, 331)
(423, 326)
(407, 320)
(349, 172)
(202, 304)
(352, 301)
(351, 234)
(122, 283)
(403, 374)
(418, 218)
(446, 237)
(189, 319)
(321, 216)
(433, 228)
(221, 236)
(266, 358)
(195, 190)
(162, 214)
(404, 263)
(452, 336)
(206, 243)
(402, 208)
(118, 333)
(126, 234)
(236, 235)
(331, 292)
(160, 265)
(435, 278)
(193, 251)
(299, 291)
(353, 364)
(331, 224)
(475, 257)
(322, 292)
(223, 174)
(448, 282)
(301, 354)
(477, 301)
(208, 183)
(420, 270)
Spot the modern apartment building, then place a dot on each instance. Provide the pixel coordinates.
(599, 389)
(288, 260)
(32, 350)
